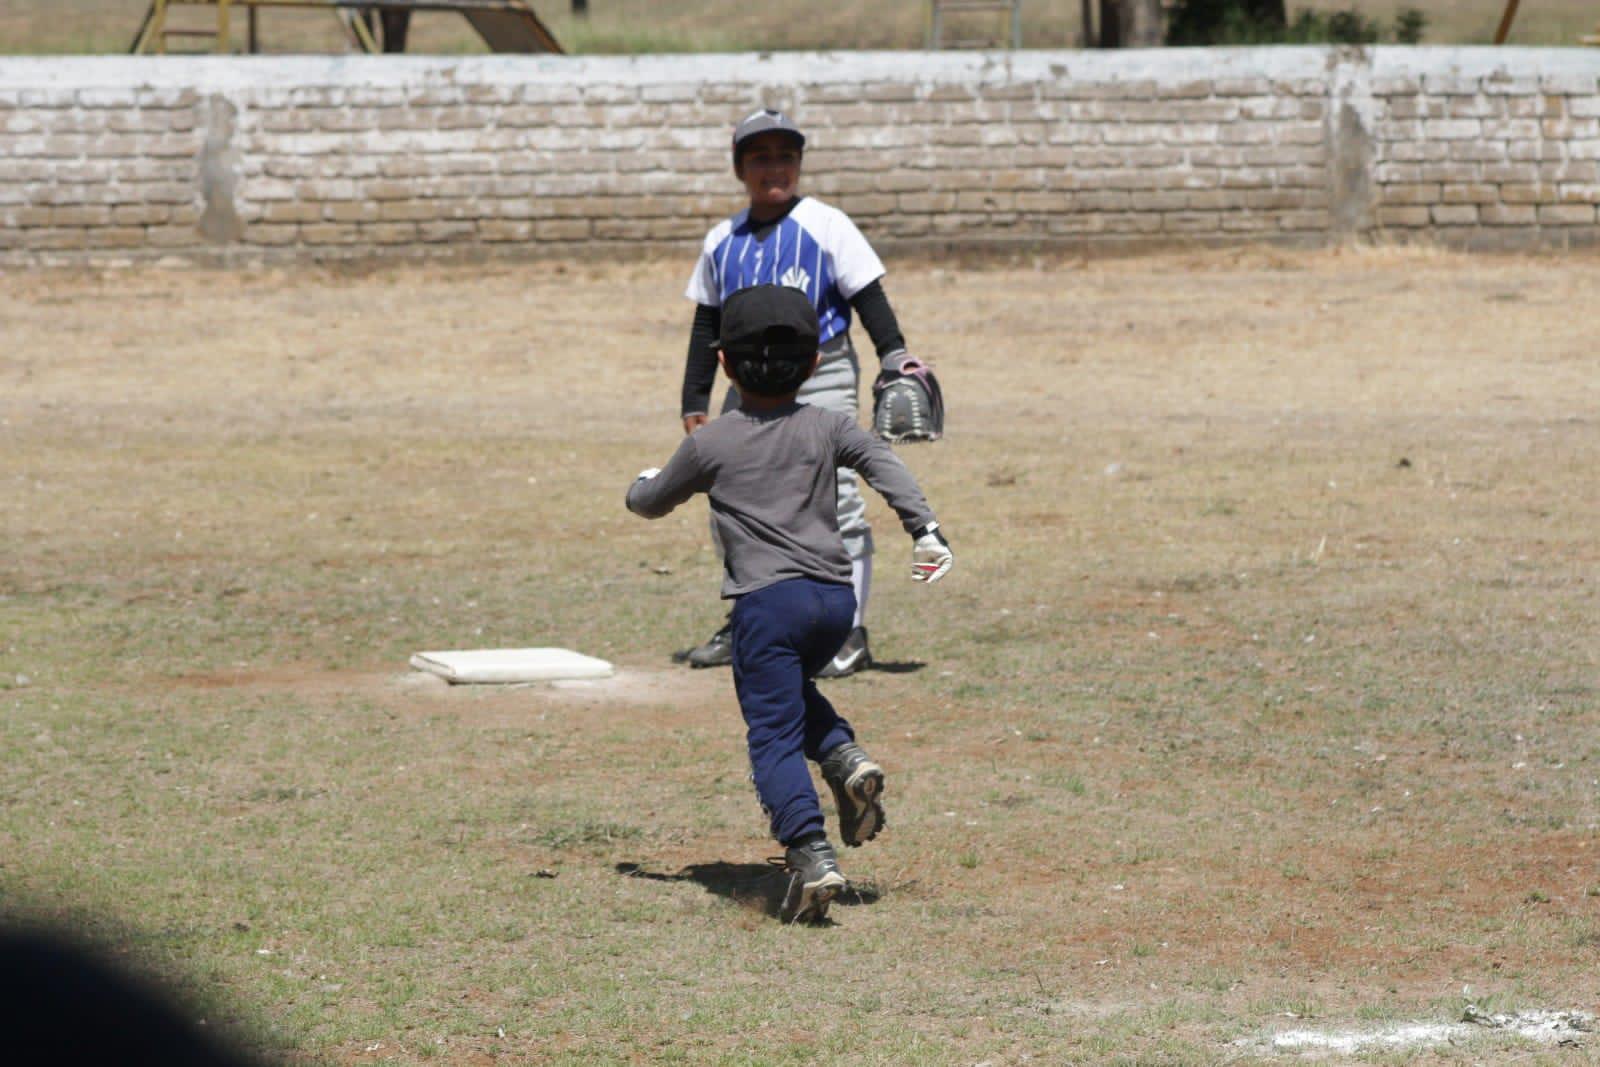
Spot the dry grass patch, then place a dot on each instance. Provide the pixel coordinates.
(1264, 684)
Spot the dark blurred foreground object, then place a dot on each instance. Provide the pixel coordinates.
(64, 1004)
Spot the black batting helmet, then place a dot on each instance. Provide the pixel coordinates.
(769, 334)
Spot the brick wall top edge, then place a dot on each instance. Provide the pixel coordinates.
(224, 73)
(1159, 66)
(1483, 61)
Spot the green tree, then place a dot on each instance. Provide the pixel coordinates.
(1204, 22)
(1214, 22)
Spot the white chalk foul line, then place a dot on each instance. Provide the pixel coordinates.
(1544, 1027)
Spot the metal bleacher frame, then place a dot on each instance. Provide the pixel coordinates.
(1510, 15)
(938, 9)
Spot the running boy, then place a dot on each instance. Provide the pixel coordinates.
(769, 469)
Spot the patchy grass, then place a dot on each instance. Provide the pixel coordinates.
(643, 26)
(1263, 689)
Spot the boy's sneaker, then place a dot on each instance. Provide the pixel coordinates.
(814, 880)
(717, 651)
(857, 784)
(851, 657)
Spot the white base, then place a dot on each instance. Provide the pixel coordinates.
(502, 666)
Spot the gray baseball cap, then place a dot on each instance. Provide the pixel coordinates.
(766, 120)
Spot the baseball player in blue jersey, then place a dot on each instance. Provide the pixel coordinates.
(770, 469)
(787, 239)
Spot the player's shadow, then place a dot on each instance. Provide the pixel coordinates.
(908, 666)
(887, 666)
(757, 886)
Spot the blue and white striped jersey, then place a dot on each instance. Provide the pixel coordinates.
(814, 248)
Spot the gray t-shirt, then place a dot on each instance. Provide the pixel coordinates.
(771, 479)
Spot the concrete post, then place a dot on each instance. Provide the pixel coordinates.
(1351, 120)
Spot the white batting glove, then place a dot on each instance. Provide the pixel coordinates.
(648, 473)
(930, 555)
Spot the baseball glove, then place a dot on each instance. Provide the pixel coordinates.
(907, 404)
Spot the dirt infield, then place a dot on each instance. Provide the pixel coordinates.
(1263, 696)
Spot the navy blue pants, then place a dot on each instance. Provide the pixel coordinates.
(782, 636)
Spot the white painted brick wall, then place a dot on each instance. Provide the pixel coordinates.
(369, 155)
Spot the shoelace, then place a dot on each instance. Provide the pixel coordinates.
(782, 863)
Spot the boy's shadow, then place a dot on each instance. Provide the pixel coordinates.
(887, 666)
(758, 886)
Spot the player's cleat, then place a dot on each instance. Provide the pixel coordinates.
(717, 651)
(851, 657)
(857, 785)
(814, 880)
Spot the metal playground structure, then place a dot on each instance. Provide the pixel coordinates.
(504, 25)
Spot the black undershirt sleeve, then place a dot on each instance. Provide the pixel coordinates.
(700, 368)
(872, 306)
